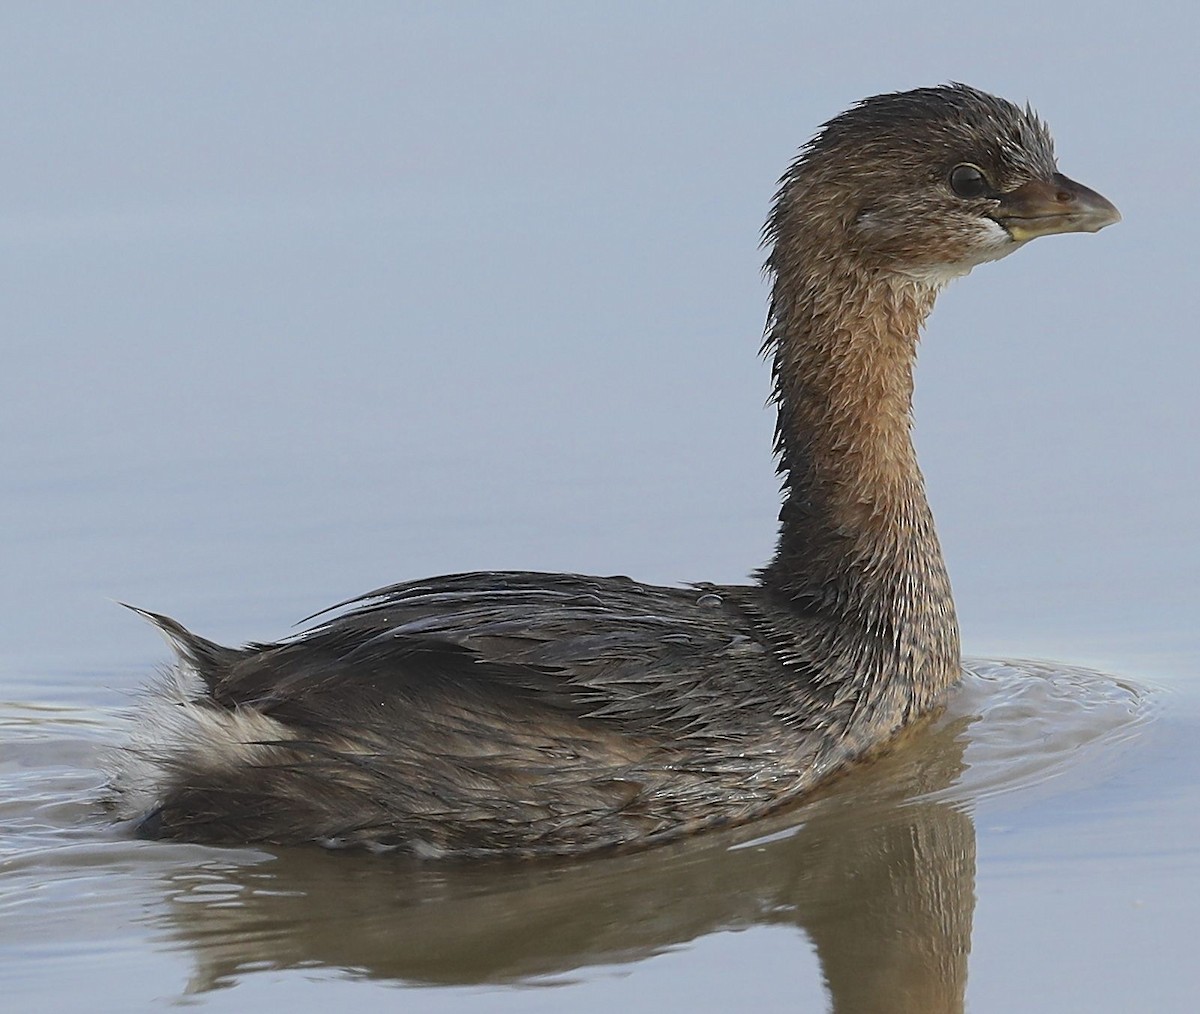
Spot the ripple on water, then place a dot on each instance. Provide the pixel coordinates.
(73, 885)
(1039, 725)
(1017, 725)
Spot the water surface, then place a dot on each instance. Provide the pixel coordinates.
(869, 892)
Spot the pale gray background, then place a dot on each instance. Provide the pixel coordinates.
(303, 299)
(300, 299)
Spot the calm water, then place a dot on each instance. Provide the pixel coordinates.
(300, 303)
(1011, 831)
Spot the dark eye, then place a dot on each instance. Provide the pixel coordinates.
(968, 181)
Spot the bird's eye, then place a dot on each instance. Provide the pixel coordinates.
(968, 181)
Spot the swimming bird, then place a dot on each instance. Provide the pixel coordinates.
(518, 713)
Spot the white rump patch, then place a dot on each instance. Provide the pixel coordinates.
(177, 732)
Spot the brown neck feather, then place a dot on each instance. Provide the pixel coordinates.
(857, 545)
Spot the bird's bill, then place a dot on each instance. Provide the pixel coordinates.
(1059, 204)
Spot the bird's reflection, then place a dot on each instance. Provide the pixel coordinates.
(879, 876)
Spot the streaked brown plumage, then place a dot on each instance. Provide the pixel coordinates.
(524, 713)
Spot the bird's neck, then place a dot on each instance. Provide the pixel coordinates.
(857, 545)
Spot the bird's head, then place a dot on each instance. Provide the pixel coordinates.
(928, 183)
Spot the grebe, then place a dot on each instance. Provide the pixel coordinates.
(512, 713)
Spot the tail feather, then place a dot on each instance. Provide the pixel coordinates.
(209, 660)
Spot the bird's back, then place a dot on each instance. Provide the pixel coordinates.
(486, 712)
